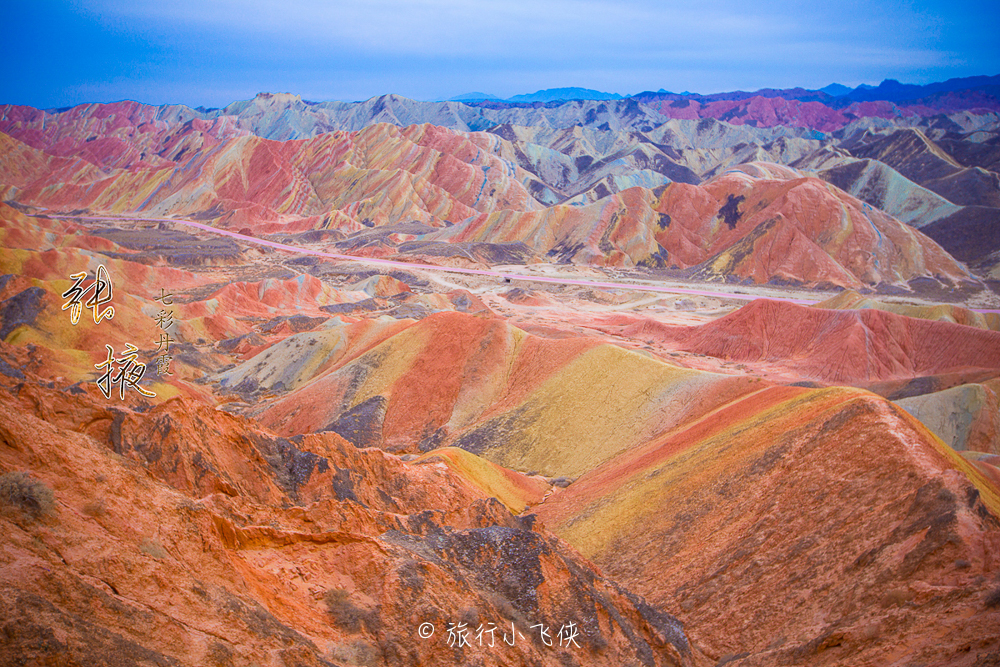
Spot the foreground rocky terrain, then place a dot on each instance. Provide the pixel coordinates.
(182, 535)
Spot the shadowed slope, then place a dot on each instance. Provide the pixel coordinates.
(966, 417)
(914, 155)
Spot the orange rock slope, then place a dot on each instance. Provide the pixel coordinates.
(183, 535)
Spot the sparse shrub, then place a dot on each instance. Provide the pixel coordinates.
(359, 652)
(598, 643)
(199, 590)
(411, 575)
(188, 505)
(29, 497)
(469, 616)
(502, 604)
(95, 508)
(870, 632)
(993, 599)
(345, 613)
(219, 655)
(152, 548)
(391, 651)
(503, 609)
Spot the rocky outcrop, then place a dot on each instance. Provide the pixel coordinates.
(185, 536)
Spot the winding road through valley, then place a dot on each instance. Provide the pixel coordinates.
(558, 280)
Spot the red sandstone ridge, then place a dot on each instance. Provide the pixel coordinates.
(789, 228)
(486, 387)
(123, 135)
(759, 222)
(855, 347)
(380, 175)
(762, 112)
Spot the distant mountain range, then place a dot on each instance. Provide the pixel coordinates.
(836, 90)
(548, 95)
(889, 90)
(472, 97)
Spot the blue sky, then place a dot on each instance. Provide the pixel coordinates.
(212, 52)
